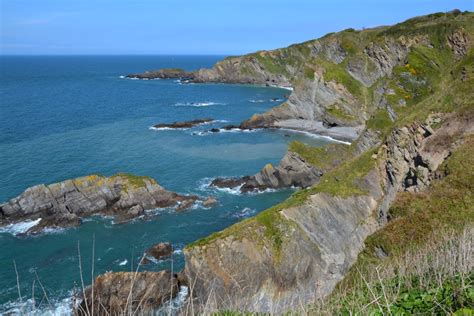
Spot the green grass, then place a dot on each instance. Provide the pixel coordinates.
(447, 205)
(340, 114)
(348, 178)
(323, 158)
(135, 181)
(337, 73)
(380, 121)
(441, 90)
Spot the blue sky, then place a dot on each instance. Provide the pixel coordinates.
(192, 26)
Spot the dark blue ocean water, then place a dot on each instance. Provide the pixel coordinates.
(64, 117)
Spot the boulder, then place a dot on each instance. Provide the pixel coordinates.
(210, 201)
(160, 250)
(118, 293)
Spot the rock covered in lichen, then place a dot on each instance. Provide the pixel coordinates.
(63, 204)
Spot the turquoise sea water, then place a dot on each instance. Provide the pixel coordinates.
(64, 117)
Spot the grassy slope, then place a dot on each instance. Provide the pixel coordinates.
(419, 222)
(441, 91)
(400, 270)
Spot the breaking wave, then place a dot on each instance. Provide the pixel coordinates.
(19, 228)
(198, 104)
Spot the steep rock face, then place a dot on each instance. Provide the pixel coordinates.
(341, 79)
(412, 167)
(63, 204)
(299, 257)
(293, 171)
(120, 293)
(297, 252)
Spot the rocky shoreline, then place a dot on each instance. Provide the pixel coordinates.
(64, 204)
(183, 124)
(292, 171)
(298, 251)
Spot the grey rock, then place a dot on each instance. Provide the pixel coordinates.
(63, 204)
(293, 171)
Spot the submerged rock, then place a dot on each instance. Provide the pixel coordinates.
(184, 124)
(118, 293)
(210, 201)
(63, 204)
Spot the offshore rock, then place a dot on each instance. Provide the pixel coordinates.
(168, 73)
(184, 124)
(63, 204)
(160, 250)
(293, 171)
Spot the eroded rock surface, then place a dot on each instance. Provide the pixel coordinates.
(160, 250)
(63, 204)
(124, 293)
(293, 171)
(295, 253)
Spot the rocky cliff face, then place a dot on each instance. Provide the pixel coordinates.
(63, 204)
(125, 293)
(297, 252)
(341, 79)
(405, 94)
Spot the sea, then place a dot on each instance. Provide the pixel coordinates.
(63, 117)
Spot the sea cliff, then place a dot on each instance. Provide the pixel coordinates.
(405, 94)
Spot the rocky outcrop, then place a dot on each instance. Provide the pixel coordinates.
(63, 204)
(168, 73)
(184, 124)
(120, 293)
(293, 171)
(298, 251)
(160, 250)
(302, 253)
(340, 80)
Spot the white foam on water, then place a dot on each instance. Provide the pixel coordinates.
(262, 101)
(239, 130)
(246, 212)
(122, 263)
(30, 307)
(166, 129)
(20, 228)
(233, 191)
(172, 307)
(313, 135)
(205, 184)
(50, 230)
(122, 77)
(198, 104)
(282, 87)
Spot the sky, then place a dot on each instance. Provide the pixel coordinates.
(207, 27)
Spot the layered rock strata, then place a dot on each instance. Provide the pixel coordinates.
(63, 204)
